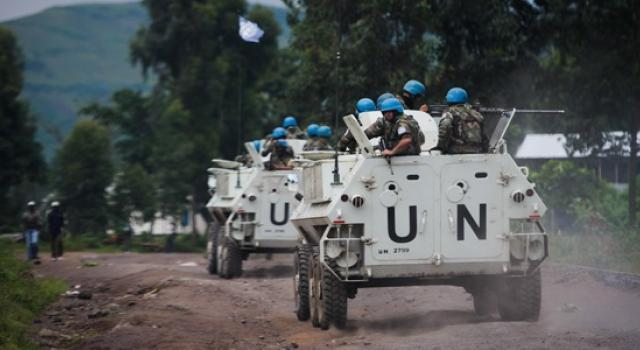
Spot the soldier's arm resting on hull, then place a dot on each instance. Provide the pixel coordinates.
(402, 146)
(444, 132)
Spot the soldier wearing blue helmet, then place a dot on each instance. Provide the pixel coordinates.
(461, 128)
(279, 150)
(347, 142)
(383, 97)
(312, 137)
(399, 133)
(324, 134)
(293, 131)
(413, 94)
(245, 159)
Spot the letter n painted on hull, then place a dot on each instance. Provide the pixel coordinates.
(480, 230)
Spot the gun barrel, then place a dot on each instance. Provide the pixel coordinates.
(501, 110)
(540, 110)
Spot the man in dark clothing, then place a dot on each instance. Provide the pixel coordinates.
(32, 225)
(55, 222)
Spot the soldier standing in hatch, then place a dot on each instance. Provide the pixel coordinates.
(281, 153)
(293, 131)
(461, 128)
(347, 142)
(400, 133)
(32, 224)
(312, 137)
(324, 134)
(413, 93)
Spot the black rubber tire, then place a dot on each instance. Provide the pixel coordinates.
(314, 291)
(520, 298)
(301, 259)
(484, 302)
(231, 260)
(334, 300)
(212, 248)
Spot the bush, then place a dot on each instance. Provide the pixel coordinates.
(22, 298)
(578, 201)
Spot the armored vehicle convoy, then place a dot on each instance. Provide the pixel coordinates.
(251, 207)
(464, 220)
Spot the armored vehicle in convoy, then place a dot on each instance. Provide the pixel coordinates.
(464, 220)
(251, 207)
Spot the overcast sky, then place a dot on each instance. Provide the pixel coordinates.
(10, 9)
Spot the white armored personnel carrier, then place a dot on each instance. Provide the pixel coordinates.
(251, 207)
(430, 219)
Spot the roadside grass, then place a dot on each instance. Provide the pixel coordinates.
(611, 252)
(144, 243)
(22, 297)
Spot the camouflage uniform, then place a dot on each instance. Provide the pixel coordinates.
(347, 143)
(280, 157)
(461, 131)
(389, 133)
(245, 160)
(317, 144)
(311, 143)
(294, 133)
(322, 145)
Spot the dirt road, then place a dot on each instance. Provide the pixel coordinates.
(168, 301)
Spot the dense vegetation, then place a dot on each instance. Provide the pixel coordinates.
(211, 90)
(22, 298)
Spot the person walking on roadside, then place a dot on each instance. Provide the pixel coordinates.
(55, 223)
(32, 224)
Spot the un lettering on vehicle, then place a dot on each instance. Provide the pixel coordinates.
(403, 231)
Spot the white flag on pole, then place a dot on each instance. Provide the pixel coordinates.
(249, 31)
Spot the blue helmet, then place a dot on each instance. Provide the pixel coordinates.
(365, 105)
(392, 104)
(279, 133)
(415, 88)
(289, 122)
(383, 97)
(312, 130)
(256, 145)
(457, 95)
(324, 132)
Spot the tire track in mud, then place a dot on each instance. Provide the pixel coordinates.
(156, 301)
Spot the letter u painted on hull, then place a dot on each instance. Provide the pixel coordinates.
(273, 215)
(413, 225)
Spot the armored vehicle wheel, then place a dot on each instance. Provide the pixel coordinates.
(230, 259)
(301, 281)
(212, 248)
(484, 302)
(314, 291)
(519, 298)
(333, 300)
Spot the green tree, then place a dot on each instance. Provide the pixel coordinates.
(83, 170)
(382, 44)
(591, 67)
(208, 76)
(20, 154)
(133, 190)
(130, 119)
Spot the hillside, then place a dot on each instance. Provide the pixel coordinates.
(77, 54)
